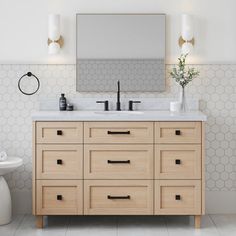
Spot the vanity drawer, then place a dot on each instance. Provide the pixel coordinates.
(118, 132)
(118, 197)
(59, 132)
(177, 197)
(59, 161)
(178, 161)
(59, 197)
(118, 161)
(178, 132)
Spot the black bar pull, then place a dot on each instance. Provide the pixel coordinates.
(118, 197)
(177, 161)
(59, 162)
(59, 197)
(118, 162)
(118, 132)
(59, 132)
(177, 132)
(177, 197)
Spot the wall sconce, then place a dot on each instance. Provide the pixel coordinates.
(55, 40)
(186, 40)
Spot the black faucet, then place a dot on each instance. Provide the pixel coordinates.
(118, 97)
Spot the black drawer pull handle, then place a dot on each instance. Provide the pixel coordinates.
(59, 162)
(118, 132)
(177, 161)
(59, 132)
(177, 197)
(118, 197)
(177, 132)
(118, 162)
(59, 197)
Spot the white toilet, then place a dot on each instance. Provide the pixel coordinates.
(5, 197)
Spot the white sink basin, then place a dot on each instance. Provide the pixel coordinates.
(119, 113)
(10, 165)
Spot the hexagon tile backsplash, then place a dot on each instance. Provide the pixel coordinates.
(216, 89)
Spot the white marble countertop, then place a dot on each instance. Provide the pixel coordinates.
(118, 116)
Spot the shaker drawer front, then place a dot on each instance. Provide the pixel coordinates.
(118, 132)
(118, 197)
(178, 132)
(59, 132)
(118, 161)
(178, 161)
(177, 197)
(59, 161)
(60, 197)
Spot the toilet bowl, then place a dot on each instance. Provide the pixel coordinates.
(5, 197)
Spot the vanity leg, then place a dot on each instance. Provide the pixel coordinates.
(39, 222)
(197, 221)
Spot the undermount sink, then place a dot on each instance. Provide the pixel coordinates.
(118, 112)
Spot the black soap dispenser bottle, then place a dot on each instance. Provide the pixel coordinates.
(62, 102)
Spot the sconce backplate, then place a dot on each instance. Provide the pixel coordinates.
(182, 41)
(60, 41)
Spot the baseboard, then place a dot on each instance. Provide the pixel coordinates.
(217, 202)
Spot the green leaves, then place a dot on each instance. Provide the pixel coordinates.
(182, 75)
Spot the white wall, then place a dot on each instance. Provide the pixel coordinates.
(23, 27)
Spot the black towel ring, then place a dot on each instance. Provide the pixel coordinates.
(29, 74)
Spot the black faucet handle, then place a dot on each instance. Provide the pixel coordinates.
(106, 104)
(131, 103)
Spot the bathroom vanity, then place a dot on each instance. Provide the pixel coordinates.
(118, 163)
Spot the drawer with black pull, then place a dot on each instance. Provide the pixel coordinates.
(118, 132)
(59, 132)
(178, 161)
(57, 161)
(178, 197)
(59, 197)
(118, 197)
(178, 132)
(128, 161)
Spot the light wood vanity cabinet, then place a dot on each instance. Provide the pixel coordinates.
(118, 168)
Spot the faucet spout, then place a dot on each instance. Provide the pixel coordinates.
(118, 96)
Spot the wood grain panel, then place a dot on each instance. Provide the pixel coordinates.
(118, 161)
(71, 202)
(177, 197)
(178, 132)
(97, 202)
(178, 161)
(59, 132)
(118, 132)
(59, 161)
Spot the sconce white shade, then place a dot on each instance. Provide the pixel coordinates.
(54, 27)
(187, 27)
(186, 48)
(53, 48)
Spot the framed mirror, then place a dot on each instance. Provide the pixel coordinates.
(125, 47)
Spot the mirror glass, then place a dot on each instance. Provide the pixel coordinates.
(125, 47)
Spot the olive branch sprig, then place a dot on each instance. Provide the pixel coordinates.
(182, 75)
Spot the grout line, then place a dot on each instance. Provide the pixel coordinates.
(165, 222)
(217, 229)
(117, 223)
(19, 224)
(68, 224)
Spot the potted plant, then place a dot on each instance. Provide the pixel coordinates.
(183, 76)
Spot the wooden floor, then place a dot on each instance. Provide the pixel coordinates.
(212, 225)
